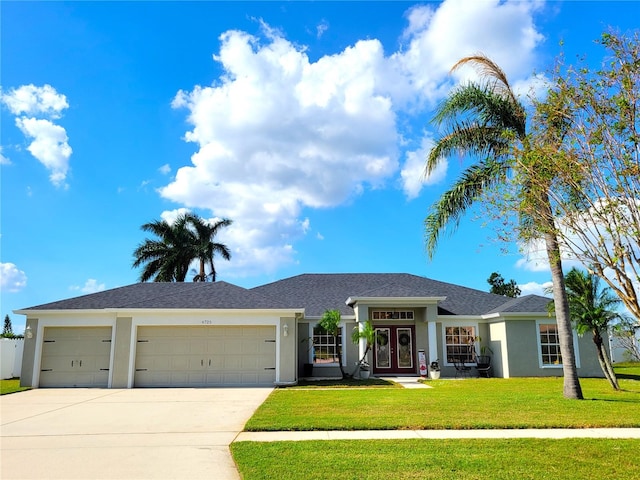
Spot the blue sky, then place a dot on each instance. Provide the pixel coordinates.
(306, 123)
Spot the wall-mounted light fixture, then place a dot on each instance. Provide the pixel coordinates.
(28, 333)
(285, 330)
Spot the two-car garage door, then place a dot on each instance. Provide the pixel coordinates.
(205, 356)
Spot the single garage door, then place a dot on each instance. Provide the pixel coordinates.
(75, 357)
(205, 356)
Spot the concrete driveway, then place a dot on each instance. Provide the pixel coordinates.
(123, 434)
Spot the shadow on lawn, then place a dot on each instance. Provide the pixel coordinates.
(344, 383)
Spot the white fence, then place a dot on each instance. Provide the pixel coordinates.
(11, 357)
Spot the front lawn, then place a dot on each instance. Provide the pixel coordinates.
(11, 386)
(498, 459)
(452, 404)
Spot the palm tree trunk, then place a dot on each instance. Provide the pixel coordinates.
(605, 363)
(571, 388)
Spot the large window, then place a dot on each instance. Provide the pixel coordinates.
(549, 344)
(460, 342)
(324, 348)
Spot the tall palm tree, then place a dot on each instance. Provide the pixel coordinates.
(485, 119)
(206, 248)
(593, 309)
(167, 258)
(188, 238)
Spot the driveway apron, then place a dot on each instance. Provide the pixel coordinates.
(123, 434)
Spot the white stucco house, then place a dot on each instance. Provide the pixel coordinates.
(217, 334)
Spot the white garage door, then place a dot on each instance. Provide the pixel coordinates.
(205, 356)
(75, 357)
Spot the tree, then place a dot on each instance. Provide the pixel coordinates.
(499, 287)
(366, 333)
(7, 331)
(595, 194)
(626, 336)
(330, 323)
(188, 238)
(206, 247)
(593, 309)
(485, 119)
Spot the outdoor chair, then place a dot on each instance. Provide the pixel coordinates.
(461, 368)
(483, 365)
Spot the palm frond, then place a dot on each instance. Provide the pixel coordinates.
(454, 203)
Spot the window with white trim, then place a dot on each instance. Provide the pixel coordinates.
(460, 343)
(549, 343)
(325, 349)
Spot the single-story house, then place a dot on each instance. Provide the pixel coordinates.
(215, 334)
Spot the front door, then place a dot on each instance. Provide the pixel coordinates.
(394, 350)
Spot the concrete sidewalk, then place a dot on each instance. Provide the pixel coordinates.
(439, 434)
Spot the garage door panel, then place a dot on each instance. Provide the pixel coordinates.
(205, 356)
(75, 357)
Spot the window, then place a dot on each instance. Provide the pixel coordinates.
(324, 349)
(549, 344)
(392, 315)
(460, 342)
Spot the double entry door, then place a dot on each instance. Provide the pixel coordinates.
(394, 350)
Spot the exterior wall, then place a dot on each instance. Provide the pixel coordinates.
(124, 335)
(29, 353)
(523, 355)
(287, 351)
(589, 365)
(352, 351)
(123, 339)
(497, 340)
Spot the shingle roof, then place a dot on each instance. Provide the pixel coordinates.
(313, 292)
(528, 303)
(205, 295)
(319, 292)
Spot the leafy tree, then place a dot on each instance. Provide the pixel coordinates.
(593, 309)
(7, 331)
(206, 247)
(625, 332)
(485, 119)
(188, 238)
(500, 287)
(595, 194)
(330, 323)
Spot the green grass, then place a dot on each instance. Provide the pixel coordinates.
(628, 370)
(463, 404)
(11, 386)
(495, 459)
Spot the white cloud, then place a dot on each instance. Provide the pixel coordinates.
(412, 173)
(50, 142)
(277, 134)
(32, 100)
(50, 146)
(437, 37)
(11, 278)
(534, 288)
(165, 169)
(170, 216)
(322, 27)
(4, 160)
(90, 286)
